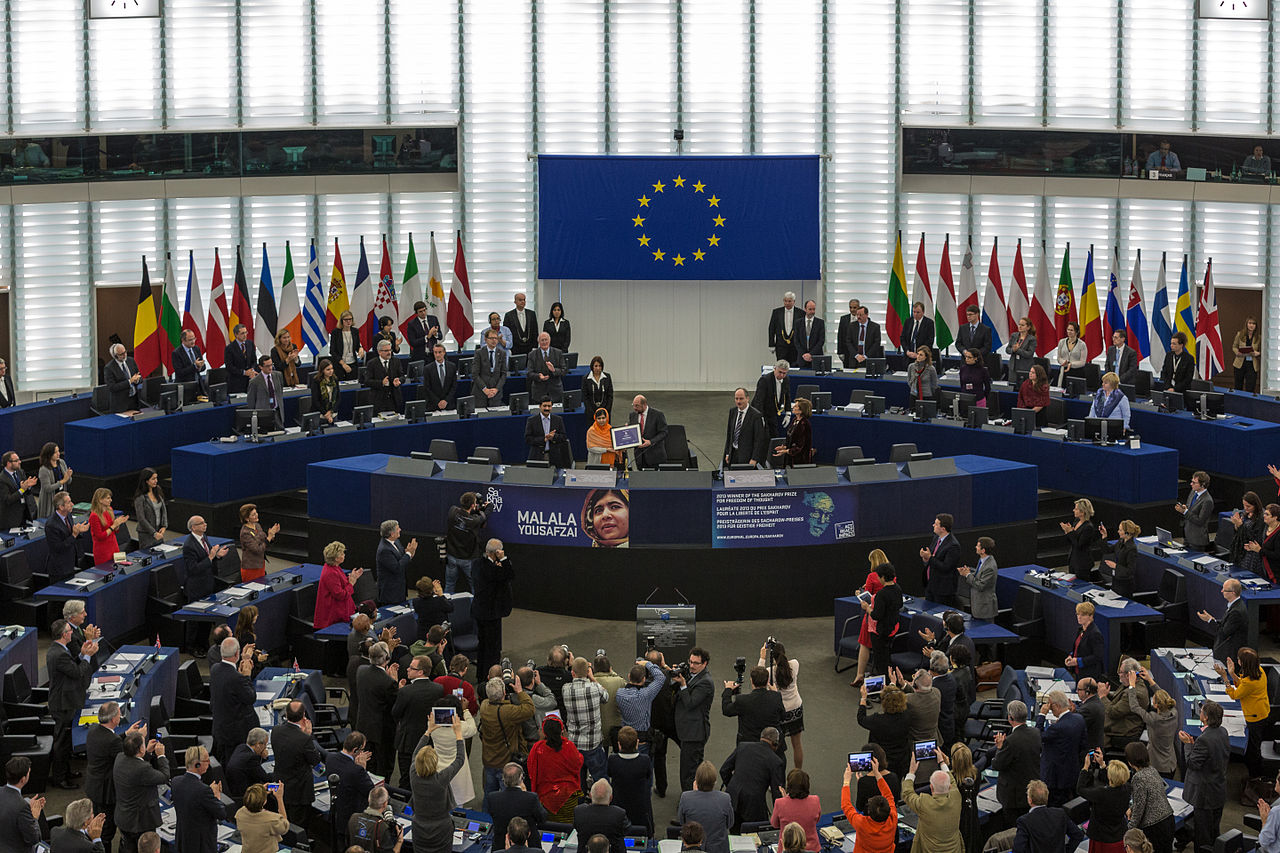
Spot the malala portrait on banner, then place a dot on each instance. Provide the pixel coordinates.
(606, 518)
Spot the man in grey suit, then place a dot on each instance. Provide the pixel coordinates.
(266, 390)
(139, 769)
(489, 371)
(81, 830)
(1206, 783)
(1196, 513)
(746, 438)
(392, 559)
(19, 825)
(979, 583)
(692, 712)
(1121, 359)
(546, 371)
(68, 682)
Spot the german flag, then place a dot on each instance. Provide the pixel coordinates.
(241, 310)
(146, 333)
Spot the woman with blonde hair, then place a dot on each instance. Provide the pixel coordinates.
(462, 786)
(1123, 561)
(870, 587)
(1161, 720)
(432, 794)
(335, 601)
(103, 524)
(1106, 786)
(1135, 841)
(1082, 534)
(793, 838)
(284, 355)
(967, 779)
(261, 830)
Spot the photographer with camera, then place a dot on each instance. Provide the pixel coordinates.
(783, 672)
(457, 680)
(757, 710)
(555, 673)
(501, 726)
(582, 699)
(544, 701)
(462, 541)
(612, 682)
(662, 719)
(694, 694)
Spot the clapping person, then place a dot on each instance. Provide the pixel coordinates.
(978, 584)
(1249, 527)
(1123, 561)
(150, 509)
(1205, 787)
(1021, 348)
(1248, 685)
(334, 601)
(81, 830)
(1269, 546)
(1105, 784)
(103, 524)
(1082, 535)
(284, 355)
(253, 544)
(798, 449)
(1161, 721)
(387, 332)
(54, 476)
(324, 391)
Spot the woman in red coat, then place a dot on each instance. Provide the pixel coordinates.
(555, 771)
(334, 601)
(103, 524)
(871, 586)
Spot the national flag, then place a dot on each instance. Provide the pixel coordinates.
(945, 322)
(264, 327)
(241, 312)
(337, 301)
(967, 294)
(1114, 318)
(1064, 303)
(170, 319)
(459, 316)
(1160, 320)
(216, 331)
(435, 293)
(1208, 332)
(193, 313)
(1042, 307)
(1183, 321)
(922, 292)
(362, 301)
(386, 304)
(1090, 322)
(411, 285)
(290, 312)
(994, 313)
(146, 334)
(314, 333)
(1019, 300)
(898, 310)
(1136, 315)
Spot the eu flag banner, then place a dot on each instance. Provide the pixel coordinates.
(694, 218)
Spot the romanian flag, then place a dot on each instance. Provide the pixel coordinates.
(241, 308)
(146, 333)
(899, 306)
(337, 303)
(1090, 320)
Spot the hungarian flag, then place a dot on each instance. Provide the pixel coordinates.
(1090, 322)
(314, 334)
(1042, 307)
(337, 303)
(216, 331)
(241, 309)
(386, 304)
(945, 322)
(170, 319)
(411, 286)
(899, 308)
(459, 316)
(1019, 304)
(994, 313)
(1064, 303)
(922, 292)
(290, 312)
(362, 301)
(193, 311)
(264, 332)
(1208, 333)
(146, 334)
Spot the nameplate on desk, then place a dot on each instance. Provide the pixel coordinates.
(410, 466)
(336, 429)
(492, 413)
(918, 468)
(811, 476)
(1004, 428)
(750, 479)
(468, 472)
(670, 480)
(591, 479)
(519, 475)
(197, 407)
(880, 472)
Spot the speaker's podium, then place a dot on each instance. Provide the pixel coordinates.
(670, 628)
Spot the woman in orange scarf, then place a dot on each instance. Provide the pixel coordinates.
(600, 440)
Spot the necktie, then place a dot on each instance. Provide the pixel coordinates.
(808, 329)
(737, 429)
(271, 391)
(16, 481)
(386, 366)
(1195, 496)
(191, 357)
(493, 364)
(441, 369)
(862, 339)
(641, 431)
(203, 544)
(1161, 161)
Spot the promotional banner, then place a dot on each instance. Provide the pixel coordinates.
(767, 517)
(588, 518)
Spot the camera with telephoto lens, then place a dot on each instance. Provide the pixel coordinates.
(447, 626)
(650, 643)
(684, 670)
(530, 663)
(740, 668)
(508, 671)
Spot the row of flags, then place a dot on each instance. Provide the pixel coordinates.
(158, 332)
(1050, 307)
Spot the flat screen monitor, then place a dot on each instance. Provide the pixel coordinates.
(873, 406)
(1107, 429)
(415, 411)
(187, 391)
(466, 407)
(218, 393)
(519, 402)
(1163, 537)
(876, 367)
(821, 364)
(517, 363)
(1172, 401)
(169, 401)
(572, 400)
(1019, 377)
(1130, 391)
(925, 410)
(310, 422)
(1205, 403)
(570, 360)
(821, 400)
(150, 392)
(976, 417)
(956, 404)
(737, 466)
(416, 370)
(244, 420)
(464, 365)
(362, 415)
(1077, 386)
(1024, 421)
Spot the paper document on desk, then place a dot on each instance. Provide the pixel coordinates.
(1039, 672)
(127, 657)
(265, 716)
(166, 550)
(237, 591)
(1204, 670)
(1220, 698)
(201, 605)
(265, 695)
(256, 587)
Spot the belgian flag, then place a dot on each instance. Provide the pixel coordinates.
(146, 333)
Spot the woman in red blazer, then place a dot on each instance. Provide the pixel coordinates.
(334, 599)
(103, 524)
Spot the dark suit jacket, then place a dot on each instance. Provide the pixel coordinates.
(237, 361)
(655, 429)
(1018, 762)
(609, 821)
(433, 390)
(913, 338)
(872, 346)
(19, 830)
(388, 398)
(354, 786)
(1233, 632)
(8, 397)
(243, 768)
(15, 506)
(1063, 749)
(420, 339)
(184, 370)
(765, 399)
(1178, 378)
(491, 586)
(1195, 524)
(231, 698)
(506, 803)
(979, 338)
(756, 709)
(941, 569)
(842, 338)
(1095, 722)
(1090, 652)
(392, 562)
(137, 799)
(66, 840)
(553, 385)
(482, 377)
(64, 547)
(692, 710)
(101, 748)
(522, 342)
(814, 344)
(535, 439)
(377, 696)
(259, 398)
(1047, 829)
(1127, 370)
(68, 679)
(123, 397)
(750, 772)
(781, 348)
(412, 707)
(1206, 782)
(201, 570)
(198, 810)
(296, 754)
(753, 440)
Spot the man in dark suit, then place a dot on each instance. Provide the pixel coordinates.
(439, 381)
(123, 381)
(756, 710)
(422, 332)
(783, 323)
(1179, 366)
(411, 711)
(377, 685)
(516, 838)
(600, 818)
(81, 830)
(200, 558)
(545, 372)
(1197, 512)
(1045, 828)
(918, 332)
(489, 371)
(244, 768)
(266, 391)
(1233, 630)
(139, 769)
(1018, 760)
(812, 337)
(188, 362)
(974, 334)
(545, 437)
(746, 439)
(17, 499)
(523, 324)
(1205, 787)
(1094, 713)
(1062, 747)
(491, 575)
(198, 806)
(62, 534)
(101, 747)
(1121, 359)
(231, 698)
(68, 683)
(750, 773)
(384, 377)
(354, 783)
(941, 561)
(19, 823)
(392, 560)
(692, 713)
(652, 451)
(296, 754)
(773, 399)
(842, 333)
(864, 339)
(513, 800)
(7, 396)
(239, 360)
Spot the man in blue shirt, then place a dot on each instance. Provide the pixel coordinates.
(1163, 160)
(635, 699)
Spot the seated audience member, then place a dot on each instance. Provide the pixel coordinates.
(1034, 394)
(81, 830)
(1149, 809)
(518, 836)
(1106, 786)
(630, 772)
(599, 817)
(1123, 725)
(711, 809)
(800, 807)
(1110, 402)
(375, 829)
(876, 824)
(513, 802)
(938, 812)
(260, 830)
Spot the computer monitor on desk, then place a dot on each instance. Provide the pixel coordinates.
(821, 364)
(310, 423)
(244, 420)
(1205, 404)
(876, 367)
(170, 401)
(873, 406)
(1076, 386)
(1105, 430)
(1171, 401)
(1024, 421)
(1163, 537)
(925, 410)
(956, 404)
(218, 393)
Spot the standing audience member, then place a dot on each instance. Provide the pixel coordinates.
(938, 812)
(1083, 538)
(635, 700)
(756, 710)
(1095, 715)
(414, 701)
(1196, 513)
(464, 790)
(941, 560)
(350, 765)
(706, 806)
(1087, 652)
(889, 727)
(866, 597)
(375, 829)
(378, 685)
(492, 602)
(244, 769)
(1123, 725)
(978, 588)
(260, 830)
(102, 745)
(139, 769)
(1062, 746)
(296, 753)
(1161, 722)
(555, 771)
(884, 612)
(54, 475)
(1106, 786)
(513, 802)
(1233, 629)
(19, 816)
(392, 561)
(501, 728)
(150, 509)
(583, 698)
(1045, 827)
(1248, 685)
(753, 771)
(335, 593)
(783, 674)
(103, 523)
(231, 698)
(1269, 837)
(876, 829)
(630, 774)
(867, 787)
(599, 817)
(694, 696)
(1018, 762)
(967, 778)
(254, 540)
(432, 796)
(68, 683)
(198, 806)
(1149, 809)
(1206, 783)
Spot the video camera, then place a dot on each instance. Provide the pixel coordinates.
(740, 669)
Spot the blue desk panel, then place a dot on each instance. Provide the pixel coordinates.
(980, 631)
(27, 427)
(1181, 683)
(23, 649)
(274, 606)
(160, 679)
